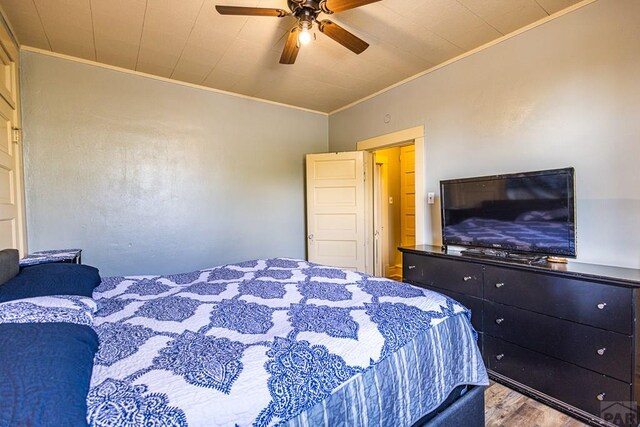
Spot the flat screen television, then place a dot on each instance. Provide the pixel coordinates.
(522, 213)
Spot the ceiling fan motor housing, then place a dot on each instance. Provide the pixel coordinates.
(302, 8)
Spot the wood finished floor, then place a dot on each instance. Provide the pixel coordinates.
(508, 408)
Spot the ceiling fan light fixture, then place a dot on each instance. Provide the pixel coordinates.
(305, 26)
(305, 36)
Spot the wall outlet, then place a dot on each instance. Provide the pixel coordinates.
(431, 198)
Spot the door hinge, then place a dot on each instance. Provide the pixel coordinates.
(16, 135)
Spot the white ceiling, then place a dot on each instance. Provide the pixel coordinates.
(188, 40)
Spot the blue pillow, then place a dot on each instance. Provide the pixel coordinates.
(51, 279)
(46, 373)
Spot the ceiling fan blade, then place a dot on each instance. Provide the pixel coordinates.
(340, 5)
(291, 48)
(251, 11)
(342, 36)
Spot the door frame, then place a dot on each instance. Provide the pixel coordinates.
(396, 139)
(380, 213)
(9, 44)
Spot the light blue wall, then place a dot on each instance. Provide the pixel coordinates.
(566, 93)
(154, 177)
(151, 177)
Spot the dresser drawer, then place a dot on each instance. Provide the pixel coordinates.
(576, 386)
(603, 306)
(458, 276)
(472, 303)
(412, 267)
(606, 352)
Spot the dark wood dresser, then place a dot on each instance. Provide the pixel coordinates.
(564, 334)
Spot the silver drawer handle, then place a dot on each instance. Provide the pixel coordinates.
(467, 278)
(601, 396)
(411, 267)
(499, 320)
(601, 351)
(499, 356)
(602, 305)
(499, 285)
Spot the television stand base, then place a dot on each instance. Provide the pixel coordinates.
(505, 256)
(557, 260)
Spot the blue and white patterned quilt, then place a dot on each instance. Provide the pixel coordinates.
(46, 257)
(275, 342)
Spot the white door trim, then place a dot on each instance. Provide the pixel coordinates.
(390, 139)
(13, 231)
(380, 215)
(415, 134)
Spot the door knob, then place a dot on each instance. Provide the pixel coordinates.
(499, 356)
(467, 278)
(310, 236)
(411, 267)
(601, 351)
(601, 396)
(499, 285)
(602, 305)
(499, 320)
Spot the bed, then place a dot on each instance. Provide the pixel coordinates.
(272, 342)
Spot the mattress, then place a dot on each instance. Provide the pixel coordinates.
(276, 342)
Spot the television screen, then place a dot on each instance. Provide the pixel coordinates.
(531, 212)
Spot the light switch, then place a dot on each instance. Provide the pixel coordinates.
(431, 198)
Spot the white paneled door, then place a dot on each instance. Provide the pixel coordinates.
(11, 183)
(336, 209)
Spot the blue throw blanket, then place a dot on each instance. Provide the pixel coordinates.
(47, 347)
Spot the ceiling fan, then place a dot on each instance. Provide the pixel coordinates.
(306, 12)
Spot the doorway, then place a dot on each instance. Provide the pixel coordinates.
(341, 208)
(393, 207)
(415, 227)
